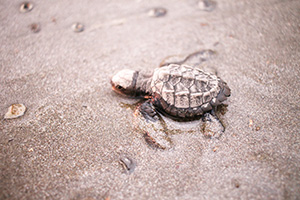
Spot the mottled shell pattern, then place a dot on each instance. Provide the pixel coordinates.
(185, 87)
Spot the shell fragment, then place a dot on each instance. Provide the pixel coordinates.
(15, 111)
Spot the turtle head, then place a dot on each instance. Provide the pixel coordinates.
(124, 82)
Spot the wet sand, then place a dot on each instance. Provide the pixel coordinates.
(69, 143)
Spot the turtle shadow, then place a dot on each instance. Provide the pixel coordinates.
(158, 134)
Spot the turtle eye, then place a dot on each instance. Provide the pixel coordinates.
(119, 87)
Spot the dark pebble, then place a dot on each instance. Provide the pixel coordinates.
(35, 27)
(26, 7)
(77, 27)
(207, 5)
(128, 164)
(157, 12)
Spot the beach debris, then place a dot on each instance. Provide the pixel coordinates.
(15, 111)
(26, 7)
(215, 148)
(127, 163)
(77, 27)
(53, 19)
(235, 183)
(157, 12)
(250, 123)
(35, 27)
(207, 5)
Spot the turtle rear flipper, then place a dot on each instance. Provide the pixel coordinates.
(148, 111)
(212, 126)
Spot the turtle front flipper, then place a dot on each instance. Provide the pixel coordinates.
(212, 126)
(152, 126)
(148, 111)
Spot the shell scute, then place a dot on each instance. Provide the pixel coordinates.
(175, 76)
(201, 85)
(206, 107)
(193, 89)
(180, 87)
(168, 96)
(206, 97)
(168, 86)
(188, 78)
(196, 99)
(159, 86)
(164, 75)
(181, 101)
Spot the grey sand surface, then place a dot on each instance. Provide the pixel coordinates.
(69, 142)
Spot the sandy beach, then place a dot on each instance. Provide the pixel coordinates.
(57, 58)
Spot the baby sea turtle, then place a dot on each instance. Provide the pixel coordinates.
(179, 91)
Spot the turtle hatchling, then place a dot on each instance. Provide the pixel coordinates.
(179, 91)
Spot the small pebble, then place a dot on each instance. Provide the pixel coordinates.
(77, 27)
(35, 27)
(207, 5)
(215, 149)
(250, 123)
(157, 12)
(236, 183)
(53, 19)
(26, 7)
(15, 111)
(128, 164)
